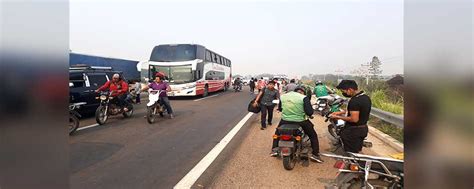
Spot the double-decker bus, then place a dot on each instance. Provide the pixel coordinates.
(190, 69)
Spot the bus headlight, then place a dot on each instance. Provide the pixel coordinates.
(188, 86)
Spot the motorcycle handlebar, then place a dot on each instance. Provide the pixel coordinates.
(156, 91)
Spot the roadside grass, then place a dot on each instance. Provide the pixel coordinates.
(389, 129)
(380, 100)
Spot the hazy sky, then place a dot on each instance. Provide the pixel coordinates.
(293, 38)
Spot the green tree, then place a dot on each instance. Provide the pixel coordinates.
(374, 67)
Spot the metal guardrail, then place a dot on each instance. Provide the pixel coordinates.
(389, 117)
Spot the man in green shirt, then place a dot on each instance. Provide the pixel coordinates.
(296, 108)
(321, 90)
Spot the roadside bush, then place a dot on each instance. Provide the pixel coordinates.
(380, 100)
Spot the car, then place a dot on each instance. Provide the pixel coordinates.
(83, 81)
(245, 81)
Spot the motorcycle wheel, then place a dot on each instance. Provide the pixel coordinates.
(73, 124)
(100, 115)
(129, 113)
(332, 131)
(289, 162)
(150, 117)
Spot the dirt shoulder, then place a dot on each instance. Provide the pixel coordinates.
(252, 167)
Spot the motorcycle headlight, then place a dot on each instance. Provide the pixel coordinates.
(103, 97)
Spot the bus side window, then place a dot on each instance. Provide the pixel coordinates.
(208, 56)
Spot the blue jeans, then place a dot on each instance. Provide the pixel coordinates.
(165, 101)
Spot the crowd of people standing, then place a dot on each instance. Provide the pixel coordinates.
(294, 103)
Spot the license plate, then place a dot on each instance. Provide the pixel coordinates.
(322, 105)
(290, 144)
(171, 94)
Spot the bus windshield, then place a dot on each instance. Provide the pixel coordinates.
(175, 74)
(173, 53)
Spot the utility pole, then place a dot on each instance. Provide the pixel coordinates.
(338, 74)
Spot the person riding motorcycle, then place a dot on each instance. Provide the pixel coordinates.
(321, 90)
(160, 84)
(118, 89)
(296, 108)
(237, 81)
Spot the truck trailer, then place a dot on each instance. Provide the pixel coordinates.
(127, 67)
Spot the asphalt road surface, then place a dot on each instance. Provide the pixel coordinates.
(130, 153)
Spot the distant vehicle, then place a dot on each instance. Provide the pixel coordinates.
(127, 67)
(83, 81)
(245, 81)
(238, 87)
(190, 69)
(280, 78)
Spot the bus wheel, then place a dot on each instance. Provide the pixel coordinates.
(206, 91)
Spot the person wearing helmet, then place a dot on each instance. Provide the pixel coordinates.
(296, 109)
(308, 90)
(118, 89)
(160, 84)
(321, 89)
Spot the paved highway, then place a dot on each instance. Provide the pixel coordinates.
(130, 153)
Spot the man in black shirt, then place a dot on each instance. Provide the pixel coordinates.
(358, 112)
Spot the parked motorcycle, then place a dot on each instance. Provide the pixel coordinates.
(335, 127)
(293, 144)
(109, 108)
(154, 107)
(74, 116)
(365, 171)
(326, 104)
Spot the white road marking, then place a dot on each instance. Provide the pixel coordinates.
(86, 127)
(190, 178)
(206, 97)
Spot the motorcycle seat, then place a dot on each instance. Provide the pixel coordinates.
(290, 129)
(394, 165)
